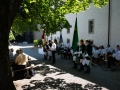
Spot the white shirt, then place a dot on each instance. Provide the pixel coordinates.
(71, 51)
(95, 54)
(117, 56)
(53, 48)
(68, 45)
(116, 50)
(93, 50)
(102, 52)
(109, 49)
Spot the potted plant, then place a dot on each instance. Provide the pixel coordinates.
(40, 42)
(35, 43)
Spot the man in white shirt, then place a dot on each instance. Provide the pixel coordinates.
(116, 49)
(53, 49)
(68, 45)
(109, 50)
(114, 58)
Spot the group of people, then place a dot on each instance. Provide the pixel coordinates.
(111, 55)
(50, 50)
(86, 54)
(83, 56)
(18, 61)
(65, 51)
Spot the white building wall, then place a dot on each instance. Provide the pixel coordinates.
(100, 16)
(115, 23)
(38, 35)
(71, 19)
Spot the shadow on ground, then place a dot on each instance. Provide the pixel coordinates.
(66, 65)
(44, 70)
(59, 84)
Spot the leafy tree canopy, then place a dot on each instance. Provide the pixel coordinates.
(11, 36)
(50, 14)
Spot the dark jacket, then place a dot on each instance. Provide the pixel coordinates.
(78, 47)
(82, 47)
(88, 50)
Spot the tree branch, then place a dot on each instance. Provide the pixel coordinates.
(14, 8)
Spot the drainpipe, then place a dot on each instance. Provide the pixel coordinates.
(109, 21)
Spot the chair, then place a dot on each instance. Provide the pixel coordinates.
(117, 64)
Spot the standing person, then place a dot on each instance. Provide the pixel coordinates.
(53, 49)
(49, 50)
(87, 56)
(82, 48)
(45, 51)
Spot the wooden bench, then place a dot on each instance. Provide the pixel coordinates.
(117, 64)
(27, 68)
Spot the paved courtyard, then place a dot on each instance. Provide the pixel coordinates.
(61, 76)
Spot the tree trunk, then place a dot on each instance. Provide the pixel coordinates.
(6, 82)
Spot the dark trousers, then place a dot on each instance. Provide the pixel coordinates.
(110, 60)
(21, 74)
(53, 57)
(75, 65)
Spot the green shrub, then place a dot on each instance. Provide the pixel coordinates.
(40, 42)
(35, 42)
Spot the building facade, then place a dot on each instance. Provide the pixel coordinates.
(101, 26)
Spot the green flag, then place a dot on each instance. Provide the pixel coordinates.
(75, 37)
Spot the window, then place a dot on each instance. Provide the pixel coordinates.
(91, 26)
(68, 30)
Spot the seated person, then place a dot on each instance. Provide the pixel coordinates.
(11, 55)
(102, 53)
(114, 58)
(21, 61)
(95, 54)
(17, 53)
(70, 52)
(62, 50)
(116, 49)
(65, 52)
(14, 58)
(109, 50)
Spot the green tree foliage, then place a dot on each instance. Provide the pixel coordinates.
(11, 36)
(24, 14)
(50, 14)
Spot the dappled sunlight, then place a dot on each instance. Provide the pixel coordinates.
(49, 77)
(26, 46)
(31, 58)
(18, 47)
